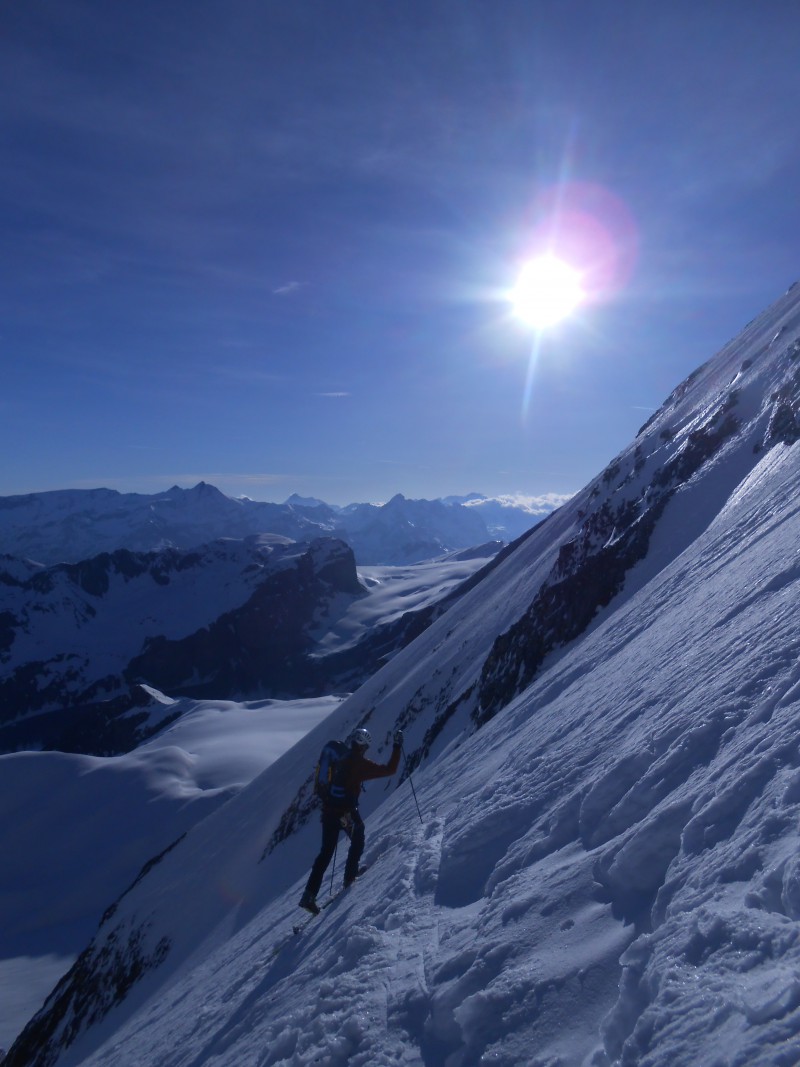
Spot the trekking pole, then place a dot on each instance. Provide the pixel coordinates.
(333, 865)
(411, 783)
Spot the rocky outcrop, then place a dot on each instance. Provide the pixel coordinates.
(229, 619)
(262, 647)
(591, 567)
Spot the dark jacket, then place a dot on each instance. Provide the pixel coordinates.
(357, 769)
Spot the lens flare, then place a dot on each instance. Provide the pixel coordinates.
(587, 226)
(579, 243)
(548, 290)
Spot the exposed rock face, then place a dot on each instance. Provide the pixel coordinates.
(261, 647)
(591, 568)
(229, 619)
(78, 620)
(625, 505)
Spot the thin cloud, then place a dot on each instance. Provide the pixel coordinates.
(335, 395)
(536, 504)
(289, 289)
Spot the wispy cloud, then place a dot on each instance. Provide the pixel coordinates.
(536, 504)
(335, 395)
(289, 289)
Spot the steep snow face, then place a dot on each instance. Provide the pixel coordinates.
(603, 734)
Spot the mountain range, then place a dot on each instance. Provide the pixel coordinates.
(261, 617)
(70, 525)
(589, 857)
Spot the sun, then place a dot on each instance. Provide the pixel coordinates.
(548, 290)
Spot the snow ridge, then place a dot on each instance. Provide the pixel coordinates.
(603, 737)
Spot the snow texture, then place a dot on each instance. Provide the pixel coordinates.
(604, 741)
(81, 828)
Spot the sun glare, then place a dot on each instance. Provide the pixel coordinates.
(548, 290)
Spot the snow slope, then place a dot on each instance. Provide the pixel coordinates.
(394, 591)
(604, 736)
(68, 868)
(80, 828)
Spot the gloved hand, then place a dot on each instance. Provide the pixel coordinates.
(398, 737)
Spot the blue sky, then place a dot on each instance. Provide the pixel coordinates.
(270, 245)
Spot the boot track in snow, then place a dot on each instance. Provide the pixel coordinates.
(299, 927)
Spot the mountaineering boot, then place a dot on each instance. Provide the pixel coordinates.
(350, 878)
(308, 902)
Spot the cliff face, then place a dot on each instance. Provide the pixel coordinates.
(230, 618)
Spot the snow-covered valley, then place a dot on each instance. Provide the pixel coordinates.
(115, 813)
(603, 736)
(233, 619)
(78, 829)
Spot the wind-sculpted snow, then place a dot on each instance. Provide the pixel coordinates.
(605, 871)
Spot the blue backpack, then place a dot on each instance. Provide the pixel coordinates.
(329, 777)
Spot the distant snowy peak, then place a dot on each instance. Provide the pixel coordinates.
(297, 501)
(469, 498)
(603, 735)
(201, 491)
(71, 525)
(409, 531)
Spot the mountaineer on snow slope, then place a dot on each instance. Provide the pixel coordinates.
(341, 772)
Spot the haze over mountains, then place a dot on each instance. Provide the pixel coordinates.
(603, 734)
(70, 525)
(202, 595)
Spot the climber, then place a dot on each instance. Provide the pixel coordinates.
(342, 770)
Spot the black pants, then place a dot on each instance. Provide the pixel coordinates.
(331, 826)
